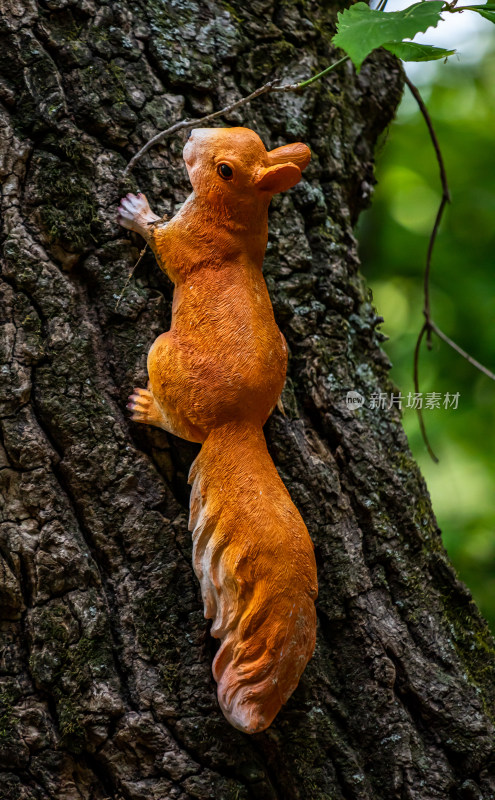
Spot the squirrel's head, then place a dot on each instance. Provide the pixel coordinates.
(233, 166)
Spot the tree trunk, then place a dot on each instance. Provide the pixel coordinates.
(105, 670)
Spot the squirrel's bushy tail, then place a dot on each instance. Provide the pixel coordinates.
(254, 559)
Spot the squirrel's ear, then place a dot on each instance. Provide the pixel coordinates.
(278, 178)
(296, 153)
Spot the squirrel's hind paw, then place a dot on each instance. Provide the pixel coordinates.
(144, 408)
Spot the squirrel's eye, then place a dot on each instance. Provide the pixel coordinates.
(225, 171)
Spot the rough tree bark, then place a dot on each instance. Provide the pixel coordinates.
(105, 679)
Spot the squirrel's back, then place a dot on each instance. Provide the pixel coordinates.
(224, 356)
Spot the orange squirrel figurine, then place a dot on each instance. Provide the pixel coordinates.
(215, 377)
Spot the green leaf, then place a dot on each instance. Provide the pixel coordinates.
(411, 51)
(487, 11)
(361, 29)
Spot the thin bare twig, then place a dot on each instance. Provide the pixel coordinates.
(431, 244)
(429, 326)
(416, 389)
(152, 227)
(131, 273)
(445, 199)
(443, 174)
(188, 123)
(267, 88)
(454, 346)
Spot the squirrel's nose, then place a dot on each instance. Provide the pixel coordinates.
(189, 134)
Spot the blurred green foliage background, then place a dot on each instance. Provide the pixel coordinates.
(393, 240)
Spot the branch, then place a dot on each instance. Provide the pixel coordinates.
(267, 88)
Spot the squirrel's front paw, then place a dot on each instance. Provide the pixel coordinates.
(135, 213)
